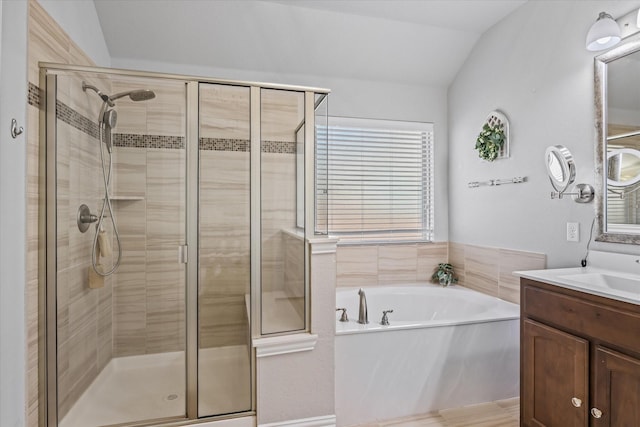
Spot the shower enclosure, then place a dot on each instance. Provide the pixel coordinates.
(175, 218)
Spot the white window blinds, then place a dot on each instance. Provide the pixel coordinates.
(378, 183)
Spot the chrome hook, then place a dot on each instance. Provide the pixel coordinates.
(15, 130)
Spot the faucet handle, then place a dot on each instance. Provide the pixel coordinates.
(343, 316)
(385, 319)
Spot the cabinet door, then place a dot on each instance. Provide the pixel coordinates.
(554, 375)
(616, 389)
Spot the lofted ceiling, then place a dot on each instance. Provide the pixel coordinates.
(422, 42)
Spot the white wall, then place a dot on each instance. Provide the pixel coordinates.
(534, 67)
(13, 209)
(79, 20)
(351, 98)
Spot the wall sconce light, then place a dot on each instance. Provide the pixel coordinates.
(603, 34)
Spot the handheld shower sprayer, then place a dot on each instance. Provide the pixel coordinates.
(107, 119)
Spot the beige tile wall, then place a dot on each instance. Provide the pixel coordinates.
(84, 324)
(485, 269)
(371, 265)
(225, 246)
(163, 115)
(84, 314)
(224, 278)
(294, 287)
(282, 273)
(149, 287)
(225, 112)
(489, 270)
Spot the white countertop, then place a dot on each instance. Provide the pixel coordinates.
(615, 276)
(569, 278)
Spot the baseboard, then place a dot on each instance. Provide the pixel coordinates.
(326, 421)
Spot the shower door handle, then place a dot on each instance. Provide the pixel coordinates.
(183, 254)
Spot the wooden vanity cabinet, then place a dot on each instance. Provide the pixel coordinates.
(579, 359)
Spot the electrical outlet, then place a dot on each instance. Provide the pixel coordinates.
(573, 232)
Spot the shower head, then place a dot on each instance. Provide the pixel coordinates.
(135, 95)
(104, 97)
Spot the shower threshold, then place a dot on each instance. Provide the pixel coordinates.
(152, 386)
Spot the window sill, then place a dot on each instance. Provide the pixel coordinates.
(273, 346)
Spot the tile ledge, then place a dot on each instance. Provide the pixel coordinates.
(323, 245)
(273, 346)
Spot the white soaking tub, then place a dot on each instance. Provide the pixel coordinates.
(443, 348)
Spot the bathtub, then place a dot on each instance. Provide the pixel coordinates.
(443, 348)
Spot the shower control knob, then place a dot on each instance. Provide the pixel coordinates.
(88, 219)
(576, 402)
(84, 218)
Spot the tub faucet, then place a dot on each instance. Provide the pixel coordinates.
(385, 319)
(363, 316)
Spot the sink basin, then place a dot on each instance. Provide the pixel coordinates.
(607, 281)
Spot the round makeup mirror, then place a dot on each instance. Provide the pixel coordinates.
(623, 167)
(560, 167)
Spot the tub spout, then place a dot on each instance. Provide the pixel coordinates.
(363, 316)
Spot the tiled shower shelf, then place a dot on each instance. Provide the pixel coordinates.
(115, 197)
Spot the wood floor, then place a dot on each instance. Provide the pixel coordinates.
(501, 413)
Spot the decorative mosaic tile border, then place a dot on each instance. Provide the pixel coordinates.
(75, 119)
(222, 144)
(279, 147)
(130, 140)
(65, 113)
(33, 95)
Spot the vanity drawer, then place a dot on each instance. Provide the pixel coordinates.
(608, 323)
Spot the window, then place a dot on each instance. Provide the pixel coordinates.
(378, 182)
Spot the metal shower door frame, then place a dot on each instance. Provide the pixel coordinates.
(47, 259)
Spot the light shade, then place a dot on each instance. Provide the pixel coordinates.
(603, 34)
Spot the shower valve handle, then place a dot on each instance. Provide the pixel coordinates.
(88, 219)
(84, 218)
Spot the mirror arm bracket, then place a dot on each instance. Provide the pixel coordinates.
(584, 193)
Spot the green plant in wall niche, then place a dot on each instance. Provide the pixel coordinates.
(490, 141)
(444, 274)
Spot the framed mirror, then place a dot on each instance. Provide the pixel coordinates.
(560, 167)
(617, 102)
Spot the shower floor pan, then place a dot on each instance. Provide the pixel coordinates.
(146, 387)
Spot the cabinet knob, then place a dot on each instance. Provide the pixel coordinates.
(576, 402)
(596, 413)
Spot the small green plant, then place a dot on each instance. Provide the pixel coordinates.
(444, 274)
(490, 141)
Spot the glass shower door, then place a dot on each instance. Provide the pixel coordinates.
(119, 214)
(224, 282)
(282, 140)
